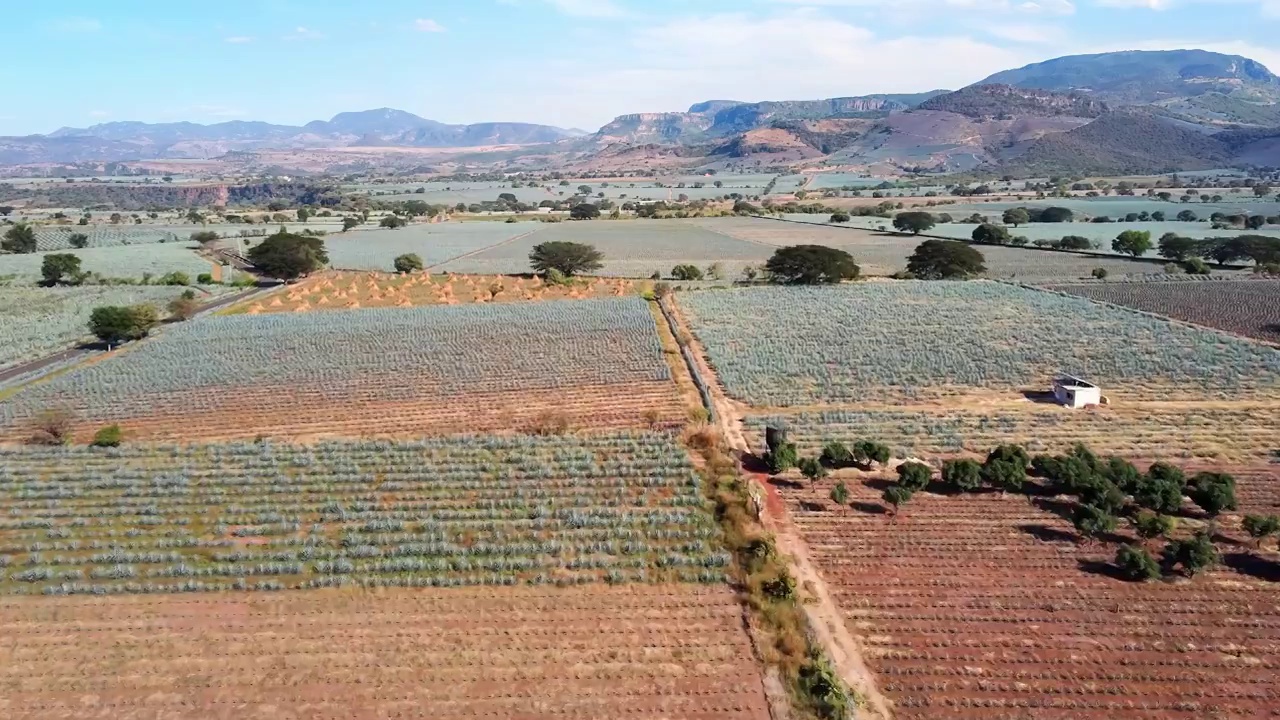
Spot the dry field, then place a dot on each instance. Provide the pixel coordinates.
(982, 606)
(531, 367)
(661, 651)
(350, 290)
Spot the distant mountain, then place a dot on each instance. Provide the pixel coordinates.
(1141, 76)
(1005, 101)
(723, 118)
(1121, 143)
(381, 127)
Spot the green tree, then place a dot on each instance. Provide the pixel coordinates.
(812, 469)
(988, 234)
(1213, 492)
(78, 241)
(115, 324)
(840, 493)
(287, 257)
(686, 272)
(584, 211)
(1056, 215)
(945, 260)
(1193, 554)
(569, 258)
(349, 223)
(61, 268)
(407, 263)
(1016, 217)
(897, 496)
(836, 455)
(1196, 266)
(811, 265)
(914, 476)
(866, 452)
(1132, 242)
(204, 237)
(20, 238)
(184, 307)
(1136, 563)
(1150, 526)
(782, 458)
(1175, 247)
(1004, 474)
(1092, 521)
(1187, 216)
(392, 222)
(914, 222)
(964, 474)
(1260, 527)
(840, 217)
(1074, 242)
(1158, 494)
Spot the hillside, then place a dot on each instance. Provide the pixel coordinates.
(1005, 101)
(1122, 143)
(1138, 77)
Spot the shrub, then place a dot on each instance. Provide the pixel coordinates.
(1150, 525)
(1092, 521)
(183, 307)
(840, 217)
(78, 241)
(392, 222)
(1213, 492)
(174, 278)
(836, 455)
(964, 474)
(686, 272)
(1195, 266)
(114, 324)
(204, 279)
(840, 493)
(866, 452)
(897, 495)
(20, 238)
(52, 426)
(1193, 554)
(914, 476)
(1100, 273)
(1136, 564)
(782, 458)
(1259, 527)
(407, 263)
(204, 237)
(584, 211)
(812, 469)
(109, 436)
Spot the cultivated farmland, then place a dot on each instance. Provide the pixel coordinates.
(390, 371)
(1245, 308)
(632, 248)
(435, 243)
(58, 237)
(35, 321)
(916, 341)
(249, 516)
(340, 289)
(983, 606)
(578, 653)
(124, 261)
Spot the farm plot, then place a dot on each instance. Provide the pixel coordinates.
(1236, 432)
(58, 237)
(897, 341)
(338, 289)
(632, 248)
(35, 320)
(392, 371)
(124, 261)
(579, 653)
(435, 243)
(881, 253)
(1246, 308)
(982, 606)
(250, 516)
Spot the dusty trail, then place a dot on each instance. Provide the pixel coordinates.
(824, 616)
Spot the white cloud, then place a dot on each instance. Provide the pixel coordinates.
(588, 8)
(427, 25)
(1023, 32)
(305, 33)
(77, 25)
(238, 39)
(99, 114)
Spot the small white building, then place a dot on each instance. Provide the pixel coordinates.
(1076, 393)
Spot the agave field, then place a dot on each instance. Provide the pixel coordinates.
(375, 371)
(257, 516)
(782, 347)
(58, 237)
(124, 261)
(1236, 432)
(631, 248)
(1245, 308)
(35, 321)
(435, 243)
(983, 606)
(530, 652)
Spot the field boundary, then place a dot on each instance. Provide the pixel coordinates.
(703, 390)
(477, 251)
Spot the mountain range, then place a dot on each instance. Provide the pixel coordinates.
(1136, 111)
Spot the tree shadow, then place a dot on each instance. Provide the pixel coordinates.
(880, 484)
(1040, 396)
(811, 506)
(869, 508)
(753, 463)
(1048, 534)
(1099, 567)
(785, 483)
(1253, 566)
(1064, 509)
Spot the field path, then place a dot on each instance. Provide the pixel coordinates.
(822, 613)
(486, 248)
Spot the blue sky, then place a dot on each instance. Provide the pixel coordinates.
(562, 62)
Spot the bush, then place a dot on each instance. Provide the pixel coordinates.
(914, 476)
(61, 268)
(811, 265)
(812, 469)
(392, 222)
(1213, 492)
(78, 241)
(897, 495)
(53, 426)
(567, 258)
(1100, 273)
(840, 217)
(1193, 554)
(964, 475)
(1259, 527)
(686, 272)
(836, 455)
(584, 211)
(407, 263)
(1136, 564)
(1093, 521)
(174, 278)
(109, 436)
(782, 458)
(184, 307)
(114, 324)
(204, 279)
(866, 452)
(204, 237)
(1149, 525)
(945, 260)
(20, 238)
(1195, 266)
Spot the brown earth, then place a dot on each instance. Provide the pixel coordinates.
(663, 651)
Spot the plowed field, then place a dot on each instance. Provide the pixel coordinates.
(666, 651)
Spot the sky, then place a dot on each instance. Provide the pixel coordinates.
(570, 63)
